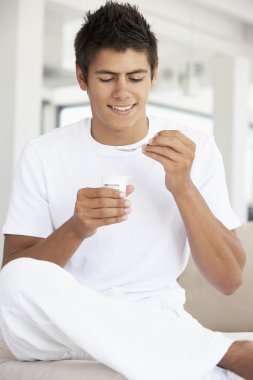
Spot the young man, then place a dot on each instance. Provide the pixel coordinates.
(90, 270)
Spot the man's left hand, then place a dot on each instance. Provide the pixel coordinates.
(176, 153)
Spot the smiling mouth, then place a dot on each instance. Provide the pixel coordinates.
(122, 109)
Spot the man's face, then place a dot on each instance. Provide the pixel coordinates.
(118, 86)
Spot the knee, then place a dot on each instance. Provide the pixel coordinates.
(19, 276)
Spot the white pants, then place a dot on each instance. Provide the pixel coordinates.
(45, 314)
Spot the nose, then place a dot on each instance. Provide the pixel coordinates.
(121, 90)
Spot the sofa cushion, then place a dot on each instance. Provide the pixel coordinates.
(213, 309)
(12, 369)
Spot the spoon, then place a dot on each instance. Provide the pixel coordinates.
(125, 149)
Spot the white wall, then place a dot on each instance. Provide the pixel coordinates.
(21, 41)
(7, 86)
(231, 124)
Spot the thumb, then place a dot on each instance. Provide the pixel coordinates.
(129, 189)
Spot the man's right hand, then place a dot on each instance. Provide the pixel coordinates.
(94, 208)
(97, 207)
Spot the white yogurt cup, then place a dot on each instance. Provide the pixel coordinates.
(118, 182)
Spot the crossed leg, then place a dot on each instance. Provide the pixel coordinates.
(46, 315)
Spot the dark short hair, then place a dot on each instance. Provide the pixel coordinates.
(116, 26)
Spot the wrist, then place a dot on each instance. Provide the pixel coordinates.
(75, 229)
(184, 192)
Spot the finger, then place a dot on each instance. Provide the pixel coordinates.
(169, 141)
(108, 221)
(104, 213)
(99, 192)
(129, 190)
(176, 134)
(165, 152)
(94, 203)
(169, 165)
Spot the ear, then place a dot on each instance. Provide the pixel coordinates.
(80, 79)
(154, 79)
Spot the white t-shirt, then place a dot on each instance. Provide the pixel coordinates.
(141, 257)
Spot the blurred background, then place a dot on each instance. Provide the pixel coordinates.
(205, 80)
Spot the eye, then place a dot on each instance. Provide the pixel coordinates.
(136, 79)
(105, 80)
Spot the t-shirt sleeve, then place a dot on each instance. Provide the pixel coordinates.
(210, 179)
(28, 212)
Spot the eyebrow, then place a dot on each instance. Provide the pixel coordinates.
(140, 71)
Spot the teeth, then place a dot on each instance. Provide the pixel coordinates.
(121, 108)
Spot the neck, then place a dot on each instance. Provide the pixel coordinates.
(124, 136)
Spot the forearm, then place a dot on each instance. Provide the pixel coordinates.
(95, 207)
(57, 247)
(216, 251)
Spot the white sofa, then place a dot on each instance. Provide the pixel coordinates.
(233, 314)
(217, 311)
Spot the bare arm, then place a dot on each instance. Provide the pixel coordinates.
(57, 248)
(94, 208)
(217, 252)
